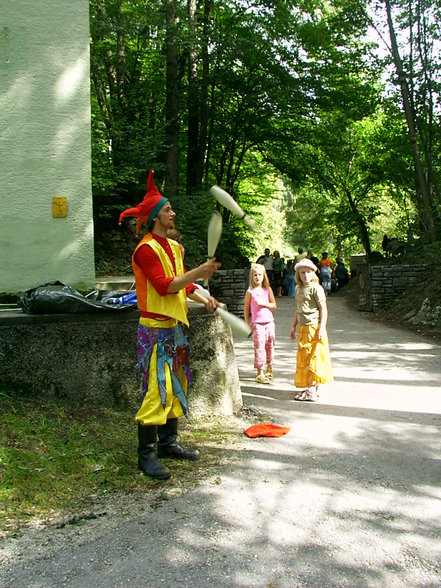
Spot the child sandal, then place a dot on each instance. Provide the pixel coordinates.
(262, 379)
(301, 395)
(311, 395)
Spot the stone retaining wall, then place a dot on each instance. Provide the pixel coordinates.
(386, 282)
(229, 287)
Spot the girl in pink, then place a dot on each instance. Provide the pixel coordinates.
(259, 298)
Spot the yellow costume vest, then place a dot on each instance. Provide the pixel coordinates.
(171, 305)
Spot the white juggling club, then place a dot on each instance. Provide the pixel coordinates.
(238, 325)
(213, 236)
(226, 200)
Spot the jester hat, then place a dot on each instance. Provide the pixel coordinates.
(147, 209)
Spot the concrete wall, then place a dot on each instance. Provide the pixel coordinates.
(45, 145)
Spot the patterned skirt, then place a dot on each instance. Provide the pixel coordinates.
(163, 372)
(313, 365)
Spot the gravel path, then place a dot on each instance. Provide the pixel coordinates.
(351, 496)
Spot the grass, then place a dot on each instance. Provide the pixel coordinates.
(54, 455)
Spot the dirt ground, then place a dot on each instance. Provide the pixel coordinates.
(351, 496)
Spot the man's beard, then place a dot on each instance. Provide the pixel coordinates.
(167, 225)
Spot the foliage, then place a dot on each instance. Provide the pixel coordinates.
(55, 455)
(280, 103)
(413, 44)
(356, 198)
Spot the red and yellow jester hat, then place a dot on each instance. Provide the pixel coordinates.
(147, 209)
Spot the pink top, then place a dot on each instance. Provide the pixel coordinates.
(260, 314)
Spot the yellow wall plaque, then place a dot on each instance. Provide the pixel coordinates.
(59, 206)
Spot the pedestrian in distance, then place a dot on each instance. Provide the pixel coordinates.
(162, 287)
(341, 273)
(278, 268)
(310, 255)
(300, 255)
(290, 270)
(260, 300)
(267, 261)
(326, 271)
(313, 365)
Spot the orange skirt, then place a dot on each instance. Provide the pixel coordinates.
(313, 364)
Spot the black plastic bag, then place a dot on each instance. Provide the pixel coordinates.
(57, 298)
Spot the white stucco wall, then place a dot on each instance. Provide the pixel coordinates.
(45, 144)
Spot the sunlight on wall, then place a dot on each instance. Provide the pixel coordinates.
(46, 146)
(72, 79)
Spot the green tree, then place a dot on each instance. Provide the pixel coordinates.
(128, 96)
(278, 103)
(414, 38)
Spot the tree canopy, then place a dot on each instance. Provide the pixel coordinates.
(290, 106)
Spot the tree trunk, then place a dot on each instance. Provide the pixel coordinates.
(121, 64)
(409, 112)
(364, 233)
(203, 124)
(194, 175)
(172, 101)
(197, 98)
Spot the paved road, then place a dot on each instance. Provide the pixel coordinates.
(351, 496)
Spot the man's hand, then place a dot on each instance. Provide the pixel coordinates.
(203, 296)
(208, 268)
(212, 303)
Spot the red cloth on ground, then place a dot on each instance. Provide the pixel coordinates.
(266, 430)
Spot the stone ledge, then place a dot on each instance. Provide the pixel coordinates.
(10, 317)
(60, 355)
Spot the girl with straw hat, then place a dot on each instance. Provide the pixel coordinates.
(313, 366)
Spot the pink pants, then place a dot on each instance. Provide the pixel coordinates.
(264, 337)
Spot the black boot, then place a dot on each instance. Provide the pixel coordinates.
(167, 446)
(147, 461)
